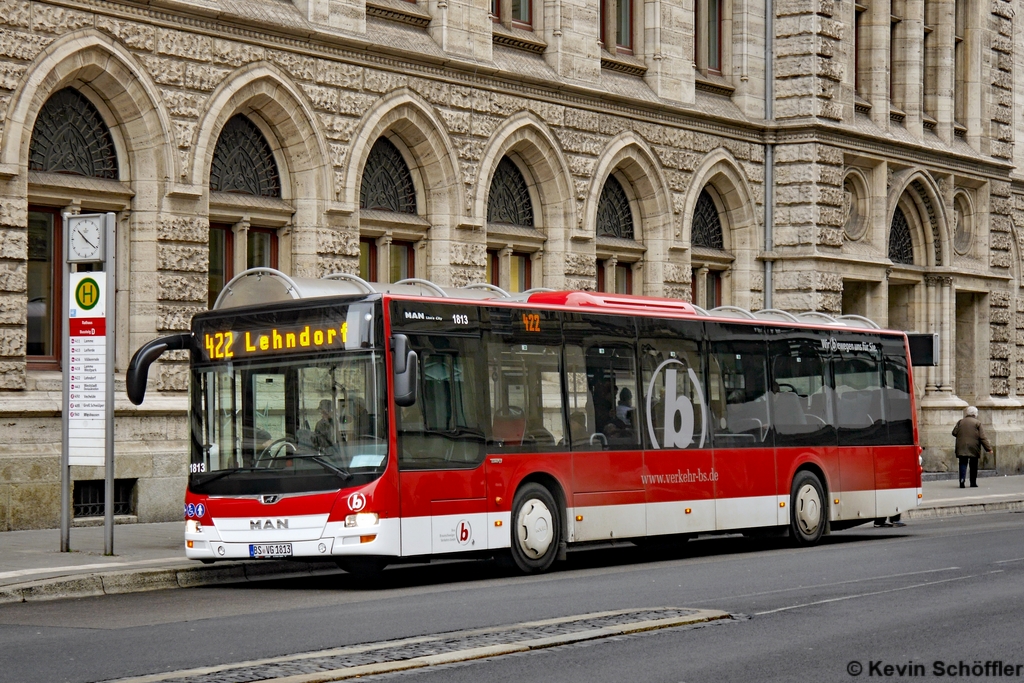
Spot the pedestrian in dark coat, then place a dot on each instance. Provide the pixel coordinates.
(970, 438)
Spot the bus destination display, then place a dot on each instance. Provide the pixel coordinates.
(326, 333)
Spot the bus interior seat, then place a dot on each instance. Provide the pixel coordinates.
(788, 409)
(508, 425)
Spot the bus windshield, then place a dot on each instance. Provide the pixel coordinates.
(289, 425)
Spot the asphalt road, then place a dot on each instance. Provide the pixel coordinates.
(943, 591)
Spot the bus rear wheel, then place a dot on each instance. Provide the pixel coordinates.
(807, 509)
(536, 529)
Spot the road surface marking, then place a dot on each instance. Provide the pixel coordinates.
(82, 567)
(867, 595)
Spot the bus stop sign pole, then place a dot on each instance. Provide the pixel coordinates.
(88, 362)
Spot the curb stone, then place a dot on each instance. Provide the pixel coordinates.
(967, 509)
(137, 581)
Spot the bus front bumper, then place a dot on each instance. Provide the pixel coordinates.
(337, 540)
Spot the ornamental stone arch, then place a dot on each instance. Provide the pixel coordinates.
(628, 157)
(114, 82)
(411, 125)
(530, 144)
(409, 122)
(917, 194)
(268, 98)
(722, 177)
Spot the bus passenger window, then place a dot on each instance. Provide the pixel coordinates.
(674, 358)
(602, 397)
(860, 412)
(738, 375)
(525, 397)
(801, 401)
(898, 412)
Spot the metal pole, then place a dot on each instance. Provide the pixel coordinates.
(769, 148)
(111, 329)
(65, 460)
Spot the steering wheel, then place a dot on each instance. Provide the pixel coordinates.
(276, 450)
(789, 387)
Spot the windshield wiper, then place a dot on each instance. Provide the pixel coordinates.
(214, 476)
(323, 462)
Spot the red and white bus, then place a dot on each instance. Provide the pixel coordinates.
(369, 424)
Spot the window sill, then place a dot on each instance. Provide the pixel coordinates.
(928, 122)
(619, 245)
(711, 83)
(705, 255)
(398, 10)
(626, 64)
(860, 105)
(228, 207)
(959, 129)
(393, 219)
(897, 115)
(519, 39)
(60, 189)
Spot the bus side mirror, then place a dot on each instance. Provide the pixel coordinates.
(138, 368)
(406, 367)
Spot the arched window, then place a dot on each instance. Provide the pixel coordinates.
(614, 217)
(508, 200)
(387, 183)
(243, 162)
(707, 224)
(70, 137)
(901, 247)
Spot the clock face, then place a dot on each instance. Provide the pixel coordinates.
(86, 240)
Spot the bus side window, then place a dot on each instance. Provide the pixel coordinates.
(673, 357)
(899, 415)
(525, 397)
(608, 373)
(860, 411)
(738, 370)
(444, 428)
(802, 398)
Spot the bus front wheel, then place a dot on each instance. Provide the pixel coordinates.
(536, 529)
(807, 509)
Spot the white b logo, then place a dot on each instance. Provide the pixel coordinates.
(356, 502)
(676, 405)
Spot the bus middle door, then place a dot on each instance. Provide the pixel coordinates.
(607, 459)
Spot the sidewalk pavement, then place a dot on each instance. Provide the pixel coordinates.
(151, 556)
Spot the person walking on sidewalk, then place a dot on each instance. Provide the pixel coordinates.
(970, 437)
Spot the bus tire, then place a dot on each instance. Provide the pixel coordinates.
(807, 509)
(536, 529)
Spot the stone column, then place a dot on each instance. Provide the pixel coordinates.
(638, 277)
(946, 335)
(505, 267)
(240, 257)
(931, 323)
(384, 258)
(701, 289)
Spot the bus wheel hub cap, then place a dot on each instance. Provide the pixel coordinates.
(808, 509)
(534, 528)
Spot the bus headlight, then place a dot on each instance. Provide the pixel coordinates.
(362, 519)
(193, 526)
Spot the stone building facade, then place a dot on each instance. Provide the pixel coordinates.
(624, 145)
